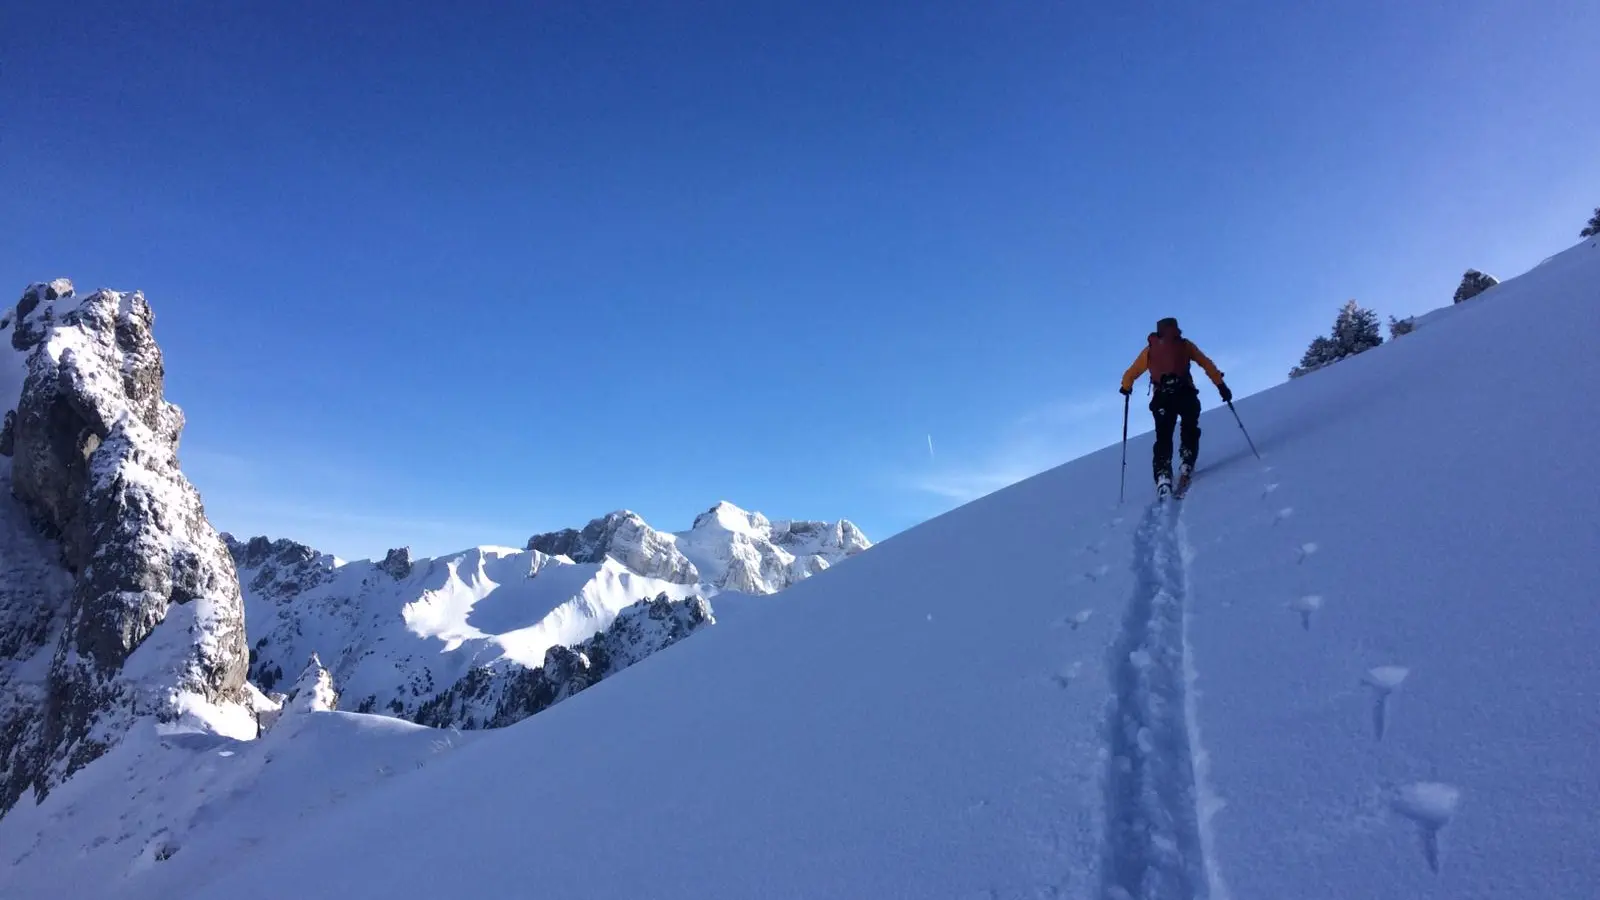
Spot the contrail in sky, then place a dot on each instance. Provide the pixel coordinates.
(930, 446)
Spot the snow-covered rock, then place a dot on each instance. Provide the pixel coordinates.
(118, 602)
(502, 694)
(742, 551)
(625, 537)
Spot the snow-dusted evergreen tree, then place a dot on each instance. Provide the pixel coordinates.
(1319, 354)
(1474, 283)
(1594, 225)
(1398, 327)
(1355, 330)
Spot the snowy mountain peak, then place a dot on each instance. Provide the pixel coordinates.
(817, 537)
(727, 517)
(623, 536)
(743, 551)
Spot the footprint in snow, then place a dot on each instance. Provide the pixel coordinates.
(1073, 621)
(1267, 490)
(1079, 618)
(1097, 573)
(1282, 514)
(1384, 681)
(1430, 804)
(1306, 550)
(1065, 676)
(1305, 606)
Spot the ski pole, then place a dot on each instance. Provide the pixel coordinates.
(1122, 487)
(1242, 428)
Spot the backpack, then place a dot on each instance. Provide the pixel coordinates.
(1169, 361)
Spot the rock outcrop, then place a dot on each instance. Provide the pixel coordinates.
(397, 564)
(116, 575)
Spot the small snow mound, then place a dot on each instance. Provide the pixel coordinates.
(1308, 603)
(1386, 677)
(1431, 803)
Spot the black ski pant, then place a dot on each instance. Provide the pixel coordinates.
(1170, 405)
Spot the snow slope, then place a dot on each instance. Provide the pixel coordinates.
(163, 811)
(1362, 667)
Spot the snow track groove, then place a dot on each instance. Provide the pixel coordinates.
(1153, 847)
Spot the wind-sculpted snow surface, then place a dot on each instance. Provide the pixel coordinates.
(161, 814)
(119, 601)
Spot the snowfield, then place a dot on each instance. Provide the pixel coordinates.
(1360, 667)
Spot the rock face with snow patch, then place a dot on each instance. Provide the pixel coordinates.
(500, 695)
(121, 574)
(625, 537)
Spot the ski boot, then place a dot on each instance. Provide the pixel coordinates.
(1163, 486)
(1185, 472)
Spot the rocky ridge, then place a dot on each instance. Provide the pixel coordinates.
(118, 601)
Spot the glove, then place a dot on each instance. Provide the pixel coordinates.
(1127, 392)
(1227, 395)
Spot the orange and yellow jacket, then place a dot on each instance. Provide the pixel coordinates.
(1162, 357)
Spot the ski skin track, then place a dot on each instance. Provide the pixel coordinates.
(1156, 844)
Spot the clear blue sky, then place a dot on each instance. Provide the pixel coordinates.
(443, 277)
